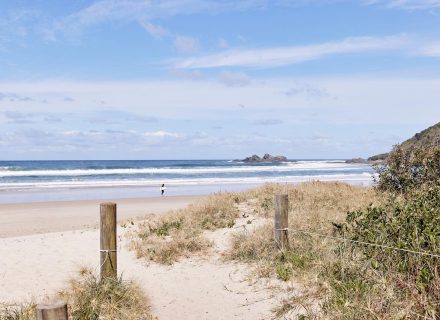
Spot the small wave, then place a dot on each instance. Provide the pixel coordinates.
(290, 166)
(361, 177)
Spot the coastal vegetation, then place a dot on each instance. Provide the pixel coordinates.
(356, 252)
(116, 299)
(361, 252)
(89, 298)
(380, 261)
(166, 238)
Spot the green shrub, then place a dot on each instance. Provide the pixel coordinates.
(410, 223)
(408, 169)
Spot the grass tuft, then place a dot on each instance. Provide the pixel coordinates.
(90, 298)
(17, 312)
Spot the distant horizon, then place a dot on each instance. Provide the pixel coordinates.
(206, 159)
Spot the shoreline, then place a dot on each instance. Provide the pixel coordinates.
(84, 193)
(21, 219)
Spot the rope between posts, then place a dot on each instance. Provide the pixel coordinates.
(368, 243)
(106, 256)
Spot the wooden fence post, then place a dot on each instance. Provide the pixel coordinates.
(56, 311)
(281, 221)
(108, 241)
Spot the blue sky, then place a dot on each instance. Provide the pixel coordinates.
(203, 79)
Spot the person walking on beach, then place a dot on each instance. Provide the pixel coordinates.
(162, 189)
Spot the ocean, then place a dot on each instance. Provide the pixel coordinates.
(28, 181)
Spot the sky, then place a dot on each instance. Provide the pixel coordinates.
(206, 79)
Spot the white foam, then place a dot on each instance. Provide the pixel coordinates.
(289, 166)
(360, 177)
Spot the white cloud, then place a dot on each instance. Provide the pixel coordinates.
(222, 43)
(103, 11)
(186, 44)
(72, 133)
(406, 4)
(430, 50)
(363, 104)
(234, 79)
(268, 122)
(154, 30)
(14, 25)
(187, 74)
(360, 99)
(161, 134)
(306, 90)
(280, 56)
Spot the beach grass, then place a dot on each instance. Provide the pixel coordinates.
(345, 280)
(89, 298)
(17, 311)
(177, 234)
(313, 206)
(116, 299)
(339, 280)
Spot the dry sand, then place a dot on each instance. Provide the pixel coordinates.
(20, 219)
(203, 287)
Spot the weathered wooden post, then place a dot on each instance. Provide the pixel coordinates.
(56, 311)
(281, 221)
(108, 241)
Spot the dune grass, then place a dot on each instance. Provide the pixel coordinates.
(340, 282)
(17, 311)
(346, 281)
(166, 238)
(314, 206)
(90, 299)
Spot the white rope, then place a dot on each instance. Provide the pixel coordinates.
(106, 256)
(369, 244)
(282, 229)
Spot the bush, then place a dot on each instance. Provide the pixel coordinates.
(408, 169)
(408, 219)
(413, 224)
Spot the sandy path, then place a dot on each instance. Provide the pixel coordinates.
(196, 288)
(201, 287)
(44, 217)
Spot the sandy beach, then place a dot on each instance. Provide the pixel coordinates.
(43, 245)
(19, 219)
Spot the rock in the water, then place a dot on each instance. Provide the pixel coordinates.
(356, 160)
(253, 158)
(266, 158)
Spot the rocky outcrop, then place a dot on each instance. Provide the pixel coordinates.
(371, 160)
(266, 158)
(357, 160)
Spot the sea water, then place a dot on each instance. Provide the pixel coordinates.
(26, 181)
